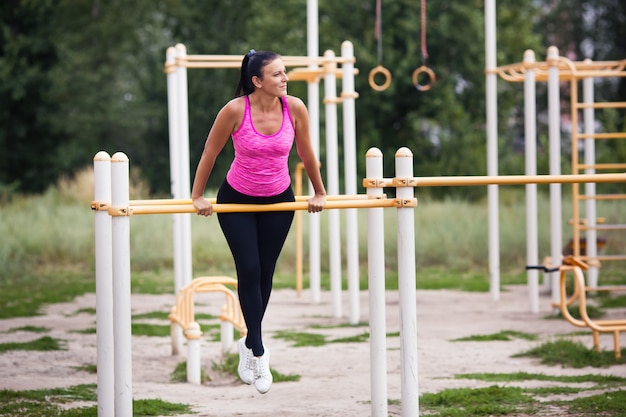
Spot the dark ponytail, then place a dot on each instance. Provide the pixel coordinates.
(252, 66)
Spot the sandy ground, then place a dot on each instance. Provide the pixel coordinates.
(335, 378)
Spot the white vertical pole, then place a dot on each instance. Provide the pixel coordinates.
(175, 160)
(530, 136)
(120, 226)
(349, 153)
(194, 371)
(554, 134)
(332, 169)
(104, 287)
(184, 187)
(376, 286)
(590, 187)
(492, 148)
(313, 97)
(406, 287)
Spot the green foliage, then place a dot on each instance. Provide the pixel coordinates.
(76, 78)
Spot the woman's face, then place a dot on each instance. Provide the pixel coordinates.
(274, 79)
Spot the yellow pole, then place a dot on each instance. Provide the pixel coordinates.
(488, 180)
(253, 208)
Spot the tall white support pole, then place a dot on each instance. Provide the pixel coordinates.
(350, 175)
(184, 187)
(194, 366)
(589, 118)
(554, 135)
(406, 287)
(376, 286)
(313, 99)
(332, 169)
(175, 160)
(530, 138)
(492, 148)
(104, 287)
(120, 226)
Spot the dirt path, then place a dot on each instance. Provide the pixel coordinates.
(335, 378)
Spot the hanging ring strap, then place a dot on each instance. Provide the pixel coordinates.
(425, 86)
(379, 69)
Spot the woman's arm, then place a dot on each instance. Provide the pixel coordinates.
(225, 123)
(306, 153)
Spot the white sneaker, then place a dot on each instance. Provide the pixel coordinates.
(247, 365)
(263, 375)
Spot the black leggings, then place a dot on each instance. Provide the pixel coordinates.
(255, 240)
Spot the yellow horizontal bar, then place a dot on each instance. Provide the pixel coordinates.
(604, 227)
(249, 208)
(492, 180)
(612, 135)
(603, 197)
(609, 105)
(602, 166)
(164, 201)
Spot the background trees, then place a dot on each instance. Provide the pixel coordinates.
(77, 76)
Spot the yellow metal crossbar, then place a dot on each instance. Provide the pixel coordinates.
(183, 312)
(492, 180)
(133, 209)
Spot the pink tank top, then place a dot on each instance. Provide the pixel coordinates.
(260, 167)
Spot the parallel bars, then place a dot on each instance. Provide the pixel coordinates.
(112, 226)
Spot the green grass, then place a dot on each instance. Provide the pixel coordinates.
(608, 403)
(300, 339)
(46, 403)
(491, 401)
(603, 380)
(33, 329)
(505, 335)
(572, 354)
(45, 343)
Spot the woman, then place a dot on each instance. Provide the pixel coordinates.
(263, 121)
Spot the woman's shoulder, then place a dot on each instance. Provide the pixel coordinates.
(295, 103)
(234, 108)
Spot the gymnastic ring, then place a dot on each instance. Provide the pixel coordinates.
(380, 70)
(431, 78)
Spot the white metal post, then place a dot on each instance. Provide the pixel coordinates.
(350, 175)
(120, 226)
(376, 287)
(175, 160)
(313, 100)
(554, 126)
(530, 137)
(406, 287)
(104, 287)
(194, 371)
(332, 169)
(184, 188)
(492, 148)
(590, 187)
